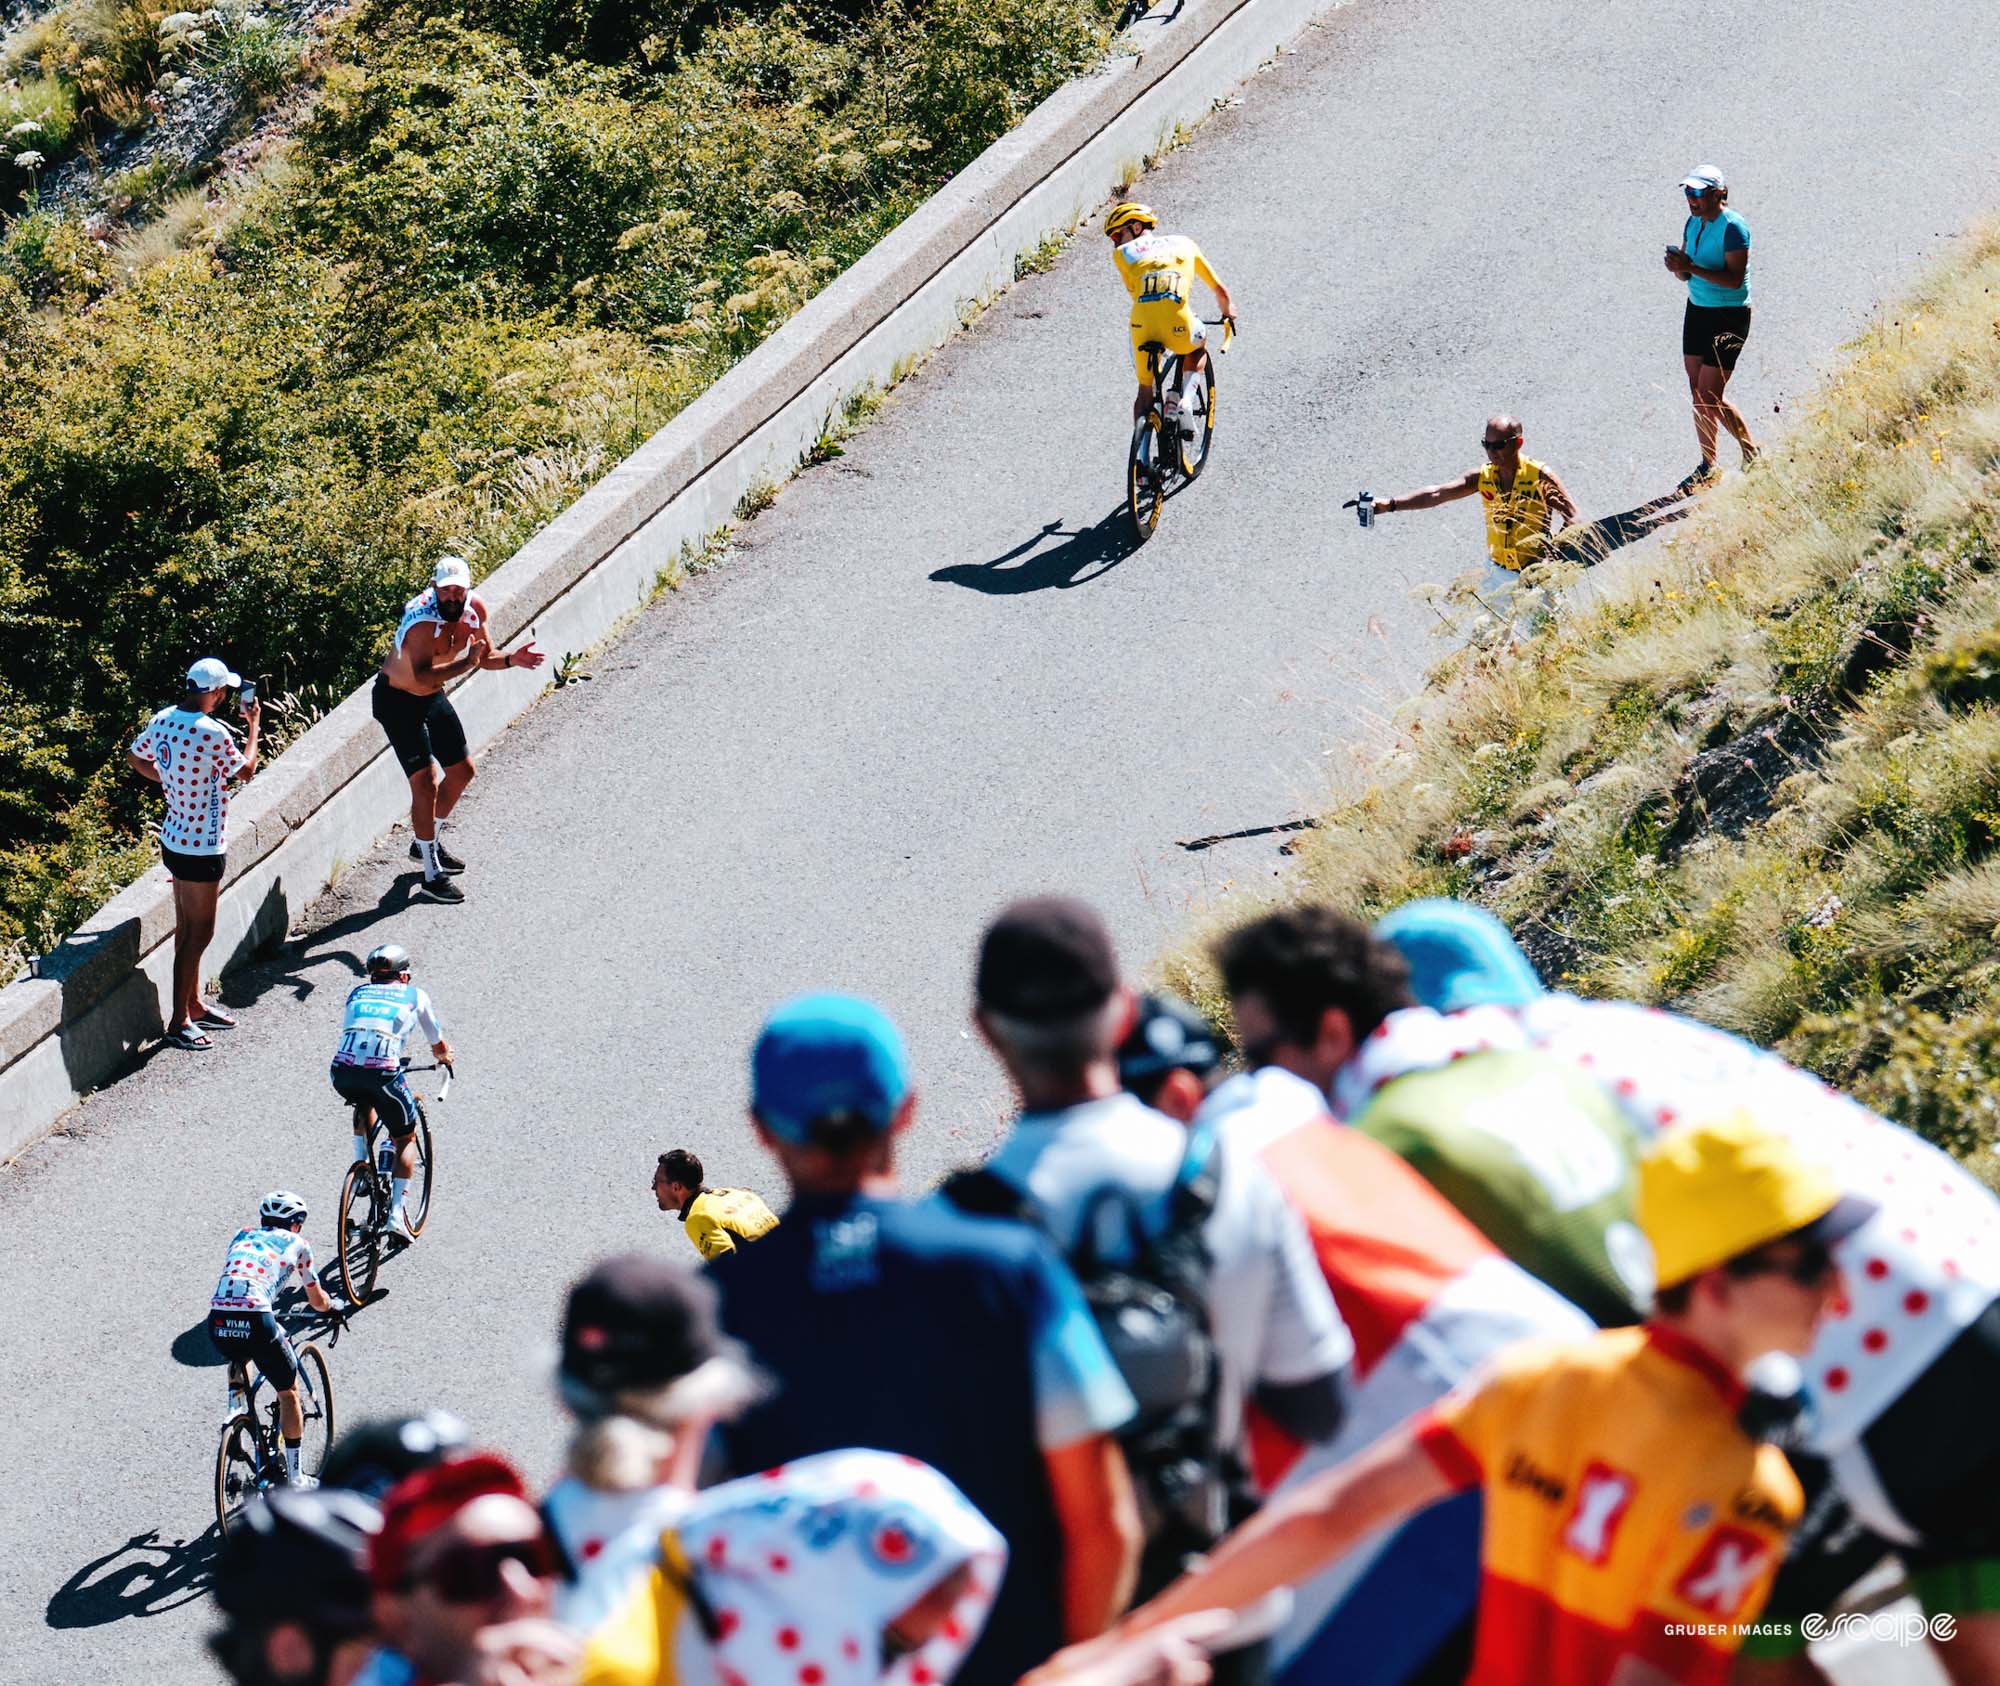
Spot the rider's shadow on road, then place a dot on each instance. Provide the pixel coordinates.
(291, 966)
(143, 1577)
(1079, 558)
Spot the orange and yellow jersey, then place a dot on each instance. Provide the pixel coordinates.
(1626, 1512)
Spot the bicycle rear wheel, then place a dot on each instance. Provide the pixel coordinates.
(1145, 477)
(362, 1217)
(237, 1479)
(1198, 400)
(417, 1198)
(316, 1406)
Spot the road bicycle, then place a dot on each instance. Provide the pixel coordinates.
(250, 1457)
(365, 1194)
(1162, 460)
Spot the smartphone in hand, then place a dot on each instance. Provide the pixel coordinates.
(246, 699)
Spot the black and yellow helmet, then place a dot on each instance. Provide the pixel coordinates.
(1129, 210)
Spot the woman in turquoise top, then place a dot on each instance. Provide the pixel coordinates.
(1713, 258)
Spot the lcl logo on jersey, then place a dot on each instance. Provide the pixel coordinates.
(1603, 1496)
(1724, 1572)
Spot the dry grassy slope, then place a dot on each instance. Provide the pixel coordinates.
(1757, 780)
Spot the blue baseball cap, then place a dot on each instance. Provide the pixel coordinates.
(1460, 956)
(825, 1056)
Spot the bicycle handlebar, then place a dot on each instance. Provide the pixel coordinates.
(450, 1071)
(1228, 326)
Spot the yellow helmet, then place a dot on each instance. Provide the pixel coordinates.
(1129, 210)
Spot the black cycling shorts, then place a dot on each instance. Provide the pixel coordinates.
(193, 869)
(420, 729)
(259, 1337)
(388, 1092)
(1936, 1452)
(1715, 333)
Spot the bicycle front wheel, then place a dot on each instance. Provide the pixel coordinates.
(359, 1245)
(1198, 401)
(417, 1198)
(1145, 477)
(237, 1478)
(316, 1407)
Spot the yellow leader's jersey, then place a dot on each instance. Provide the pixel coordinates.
(1159, 271)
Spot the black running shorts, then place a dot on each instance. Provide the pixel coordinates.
(1715, 333)
(259, 1337)
(420, 729)
(193, 869)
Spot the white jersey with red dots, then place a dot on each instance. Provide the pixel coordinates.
(259, 1262)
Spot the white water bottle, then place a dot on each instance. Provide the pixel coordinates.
(1364, 509)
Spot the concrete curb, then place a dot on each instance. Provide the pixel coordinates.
(96, 999)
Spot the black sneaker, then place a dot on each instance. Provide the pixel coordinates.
(442, 889)
(447, 861)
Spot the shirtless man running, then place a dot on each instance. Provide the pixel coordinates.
(444, 634)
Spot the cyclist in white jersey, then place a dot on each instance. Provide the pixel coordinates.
(445, 633)
(368, 1065)
(242, 1313)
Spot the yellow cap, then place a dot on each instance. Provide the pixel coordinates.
(1708, 1192)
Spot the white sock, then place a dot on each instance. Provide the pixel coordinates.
(398, 1187)
(360, 1148)
(428, 847)
(292, 1459)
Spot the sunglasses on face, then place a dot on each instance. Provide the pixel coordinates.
(1807, 1267)
(472, 1574)
(1498, 444)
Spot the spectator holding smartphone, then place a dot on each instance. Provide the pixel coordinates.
(192, 757)
(1713, 258)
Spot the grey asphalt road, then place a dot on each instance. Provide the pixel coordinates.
(927, 681)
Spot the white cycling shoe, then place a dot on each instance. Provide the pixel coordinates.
(399, 1225)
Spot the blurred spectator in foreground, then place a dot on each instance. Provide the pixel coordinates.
(463, 1572)
(1633, 1527)
(646, 1371)
(908, 1326)
(1189, 1216)
(1169, 1057)
(292, 1586)
(843, 1569)
(373, 1456)
(715, 1218)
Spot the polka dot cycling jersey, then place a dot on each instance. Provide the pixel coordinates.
(378, 1022)
(1916, 1274)
(259, 1261)
(1160, 271)
(197, 758)
(422, 610)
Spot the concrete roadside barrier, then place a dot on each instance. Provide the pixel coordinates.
(96, 999)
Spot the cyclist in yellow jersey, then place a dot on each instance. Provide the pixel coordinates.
(1523, 498)
(1159, 271)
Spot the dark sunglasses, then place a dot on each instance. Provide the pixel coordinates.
(471, 1574)
(1499, 444)
(1807, 1267)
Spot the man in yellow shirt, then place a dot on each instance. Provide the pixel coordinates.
(1632, 1525)
(1159, 271)
(716, 1218)
(1522, 499)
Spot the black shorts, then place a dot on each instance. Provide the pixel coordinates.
(1936, 1453)
(420, 729)
(193, 869)
(259, 1337)
(1715, 333)
(388, 1092)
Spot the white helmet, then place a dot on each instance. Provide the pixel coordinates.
(282, 1206)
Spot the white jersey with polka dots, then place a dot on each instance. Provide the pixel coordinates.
(1917, 1273)
(197, 758)
(259, 1261)
(422, 610)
